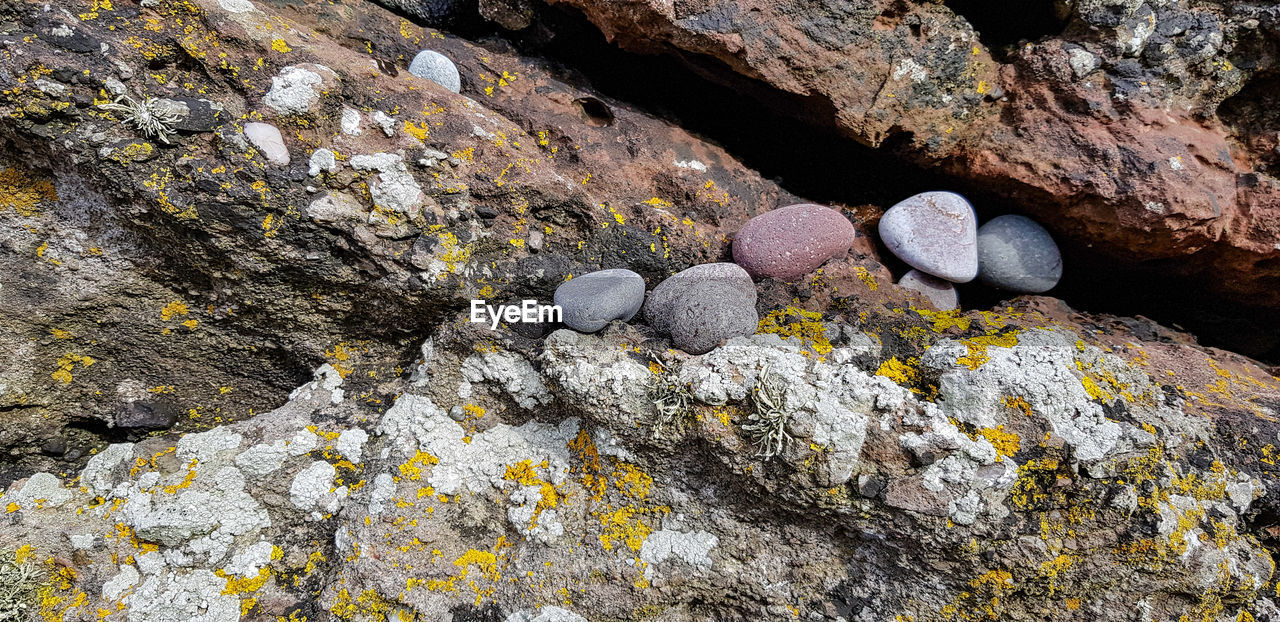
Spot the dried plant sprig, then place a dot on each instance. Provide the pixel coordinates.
(148, 116)
(671, 399)
(767, 426)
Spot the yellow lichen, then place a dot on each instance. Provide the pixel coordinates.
(807, 326)
(23, 193)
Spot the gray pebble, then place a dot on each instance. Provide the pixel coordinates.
(437, 68)
(940, 293)
(1017, 254)
(704, 305)
(589, 302)
(936, 233)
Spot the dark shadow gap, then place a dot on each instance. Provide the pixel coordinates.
(1000, 25)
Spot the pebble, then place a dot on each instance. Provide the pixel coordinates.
(589, 302)
(1015, 253)
(940, 293)
(437, 68)
(267, 139)
(704, 305)
(936, 233)
(789, 242)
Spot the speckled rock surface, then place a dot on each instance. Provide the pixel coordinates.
(703, 305)
(348, 446)
(590, 301)
(935, 232)
(789, 242)
(1016, 254)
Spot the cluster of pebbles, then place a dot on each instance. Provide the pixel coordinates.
(936, 233)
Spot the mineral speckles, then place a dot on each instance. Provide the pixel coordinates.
(935, 232)
(940, 293)
(703, 306)
(437, 68)
(1017, 254)
(266, 138)
(791, 241)
(589, 302)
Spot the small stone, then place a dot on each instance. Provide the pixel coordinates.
(589, 302)
(267, 139)
(936, 233)
(704, 305)
(297, 88)
(437, 68)
(1015, 253)
(322, 161)
(940, 293)
(792, 241)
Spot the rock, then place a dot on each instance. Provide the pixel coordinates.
(1017, 254)
(792, 241)
(297, 88)
(939, 292)
(145, 415)
(935, 232)
(703, 306)
(437, 68)
(589, 302)
(197, 115)
(267, 139)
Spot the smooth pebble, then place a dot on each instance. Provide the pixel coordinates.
(940, 293)
(267, 139)
(704, 305)
(437, 68)
(1015, 253)
(589, 302)
(789, 242)
(936, 233)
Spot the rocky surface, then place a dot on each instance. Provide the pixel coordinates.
(237, 388)
(1144, 128)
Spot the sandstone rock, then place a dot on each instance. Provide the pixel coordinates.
(792, 241)
(437, 68)
(702, 306)
(267, 139)
(589, 302)
(1017, 254)
(935, 232)
(939, 292)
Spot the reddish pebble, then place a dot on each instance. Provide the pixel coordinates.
(792, 241)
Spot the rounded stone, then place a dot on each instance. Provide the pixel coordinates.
(589, 302)
(1015, 253)
(789, 242)
(936, 233)
(940, 293)
(267, 139)
(704, 305)
(437, 68)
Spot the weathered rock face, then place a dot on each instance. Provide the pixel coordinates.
(347, 446)
(1143, 128)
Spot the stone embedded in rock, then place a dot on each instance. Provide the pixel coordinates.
(1015, 253)
(267, 139)
(935, 232)
(589, 302)
(437, 68)
(792, 241)
(703, 306)
(939, 292)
